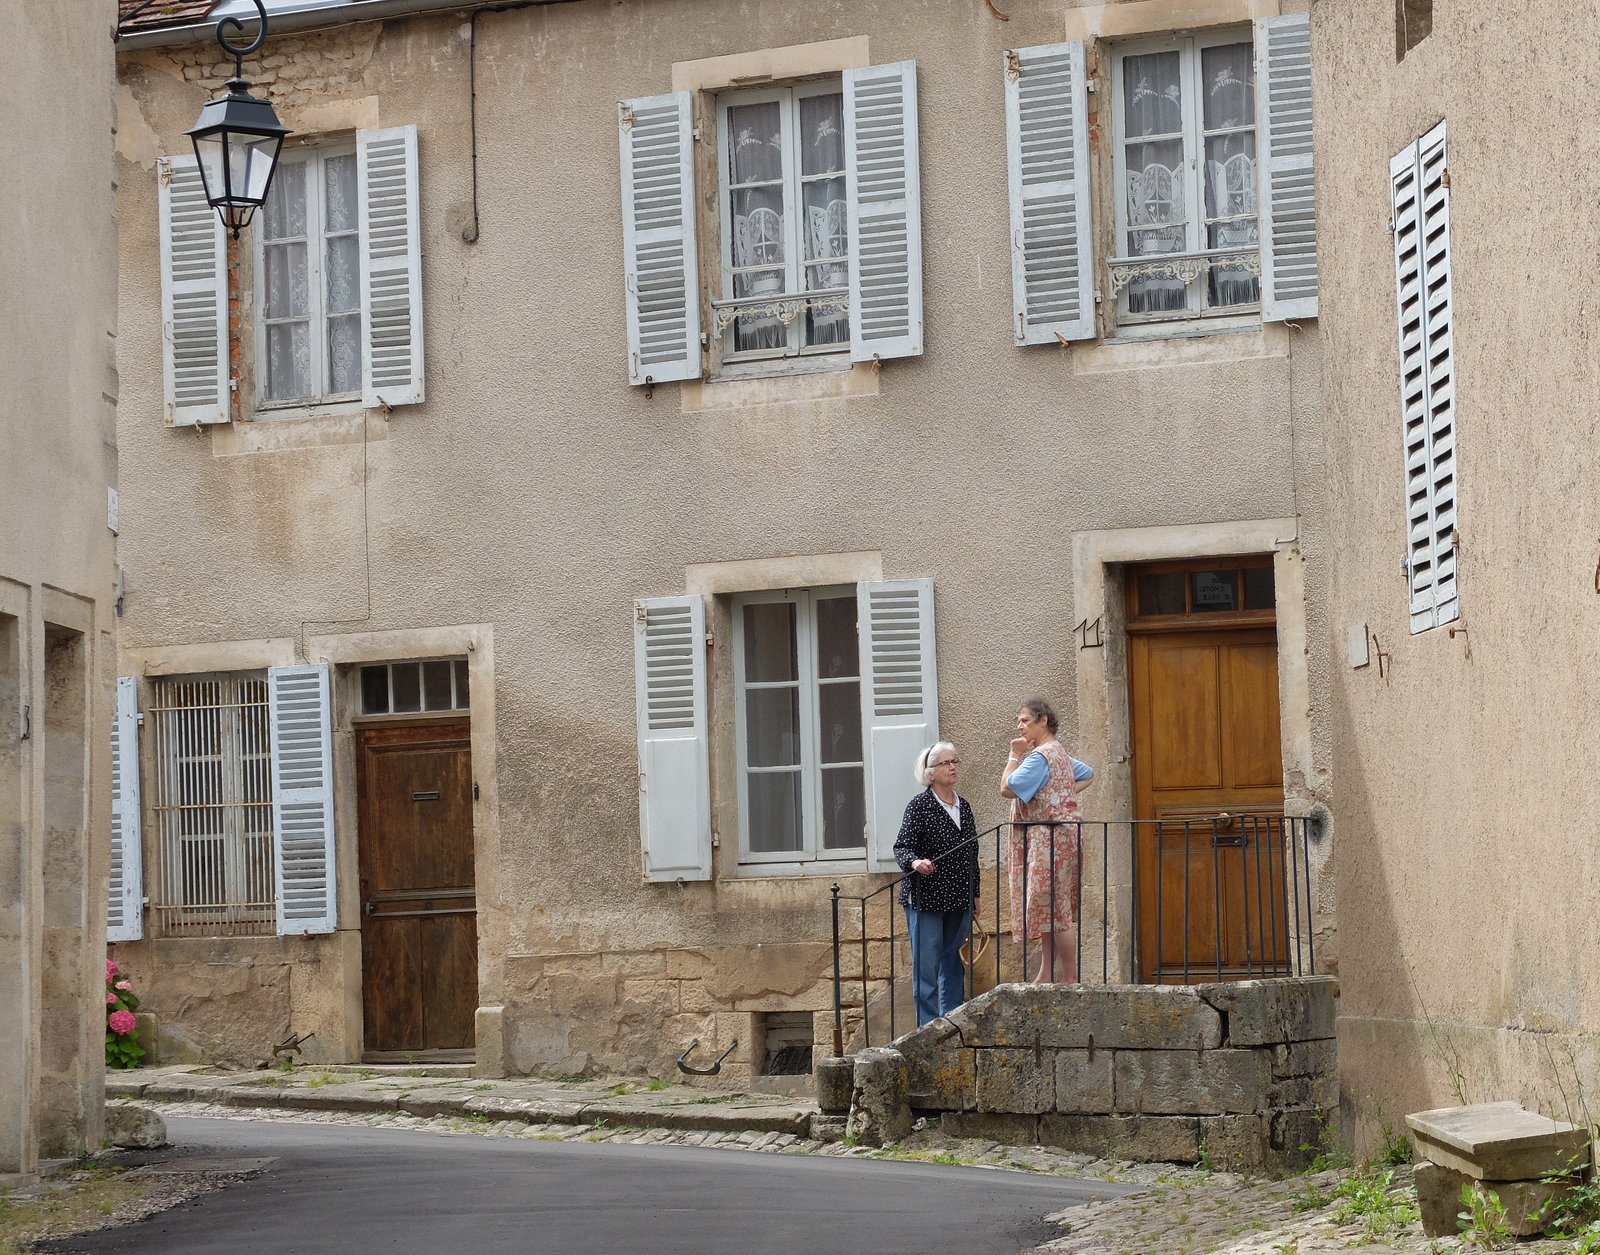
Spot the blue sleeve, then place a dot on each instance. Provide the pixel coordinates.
(1081, 771)
(1029, 778)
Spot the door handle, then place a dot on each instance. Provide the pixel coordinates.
(371, 908)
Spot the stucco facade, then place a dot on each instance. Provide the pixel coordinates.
(57, 573)
(1462, 785)
(513, 518)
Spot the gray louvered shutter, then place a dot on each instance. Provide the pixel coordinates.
(899, 700)
(883, 178)
(674, 750)
(1047, 153)
(391, 267)
(125, 890)
(301, 733)
(1421, 205)
(660, 266)
(1288, 204)
(194, 297)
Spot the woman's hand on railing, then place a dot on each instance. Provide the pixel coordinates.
(922, 866)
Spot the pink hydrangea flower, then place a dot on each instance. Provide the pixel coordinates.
(111, 968)
(125, 984)
(121, 1022)
(111, 999)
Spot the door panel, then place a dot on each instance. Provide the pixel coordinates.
(1208, 768)
(418, 901)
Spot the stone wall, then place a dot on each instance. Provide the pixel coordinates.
(1243, 1075)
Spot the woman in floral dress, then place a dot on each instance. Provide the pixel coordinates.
(1039, 780)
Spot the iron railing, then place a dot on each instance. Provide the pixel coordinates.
(1171, 901)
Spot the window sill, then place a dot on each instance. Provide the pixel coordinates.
(343, 424)
(1181, 344)
(279, 412)
(779, 382)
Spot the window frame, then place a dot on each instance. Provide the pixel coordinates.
(812, 854)
(1190, 47)
(788, 97)
(313, 156)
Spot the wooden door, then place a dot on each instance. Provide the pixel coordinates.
(1208, 770)
(419, 934)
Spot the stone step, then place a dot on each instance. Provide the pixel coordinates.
(1499, 1141)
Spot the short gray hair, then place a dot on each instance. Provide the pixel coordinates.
(922, 771)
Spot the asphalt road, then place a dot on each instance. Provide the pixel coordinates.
(352, 1189)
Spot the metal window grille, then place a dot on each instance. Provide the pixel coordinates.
(213, 806)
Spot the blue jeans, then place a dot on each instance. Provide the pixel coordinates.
(937, 974)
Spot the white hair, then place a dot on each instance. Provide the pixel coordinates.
(922, 771)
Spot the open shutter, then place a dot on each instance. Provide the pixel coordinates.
(125, 892)
(883, 178)
(669, 660)
(1288, 205)
(194, 297)
(1047, 151)
(391, 267)
(302, 797)
(1421, 205)
(660, 266)
(899, 701)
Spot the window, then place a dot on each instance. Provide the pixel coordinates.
(308, 281)
(401, 688)
(212, 804)
(1185, 164)
(797, 684)
(1204, 590)
(785, 223)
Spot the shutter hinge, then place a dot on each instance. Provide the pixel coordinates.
(625, 112)
(1013, 65)
(1444, 177)
(641, 615)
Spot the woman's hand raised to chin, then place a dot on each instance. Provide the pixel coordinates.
(1021, 747)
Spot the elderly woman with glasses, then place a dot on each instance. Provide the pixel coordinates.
(938, 850)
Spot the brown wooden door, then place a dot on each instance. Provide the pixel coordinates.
(1208, 765)
(419, 925)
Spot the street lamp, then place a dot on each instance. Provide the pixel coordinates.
(237, 138)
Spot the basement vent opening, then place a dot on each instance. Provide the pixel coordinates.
(788, 1037)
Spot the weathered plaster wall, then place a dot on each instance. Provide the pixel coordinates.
(536, 492)
(58, 392)
(1463, 777)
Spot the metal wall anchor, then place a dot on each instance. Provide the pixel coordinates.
(714, 1068)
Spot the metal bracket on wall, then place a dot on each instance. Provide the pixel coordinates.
(716, 1065)
(1377, 648)
(27, 724)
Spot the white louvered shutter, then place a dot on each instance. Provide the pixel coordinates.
(391, 267)
(660, 266)
(298, 713)
(669, 658)
(899, 700)
(125, 892)
(1421, 206)
(884, 182)
(1288, 204)
(1047, 152)
(194, 297)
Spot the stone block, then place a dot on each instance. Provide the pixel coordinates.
(133, 1126)
(943, 1080)
(1239, 1143)
(826, 1128)
(1299, 1133)
(1306, 1058)
(148, 1029)
(1107, 1017)
(1498, 1141)
(1010, 1130)
(1439, 1200)
(1191, 1082)
(1282, 1009)
(1149, 1139)
(1018, 1082)
(1085, 1084)
(1304, 1091)
(835, 1080)
(489, 1037)
(880, 1106)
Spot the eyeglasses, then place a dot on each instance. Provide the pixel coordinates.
(945, 762)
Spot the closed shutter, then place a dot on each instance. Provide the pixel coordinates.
(301, 734)
(391, 267)
(674, 755)
(125, 892)
(1420, 193)
(1047, 152)
(660, 265)
(194, 298)
(1288, 208)
(900, 701)
(883, 177)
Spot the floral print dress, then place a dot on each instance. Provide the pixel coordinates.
(1056, 799)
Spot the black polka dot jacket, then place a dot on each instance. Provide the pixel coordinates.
(927, 832)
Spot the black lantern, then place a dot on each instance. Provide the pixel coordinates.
(237, 138)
